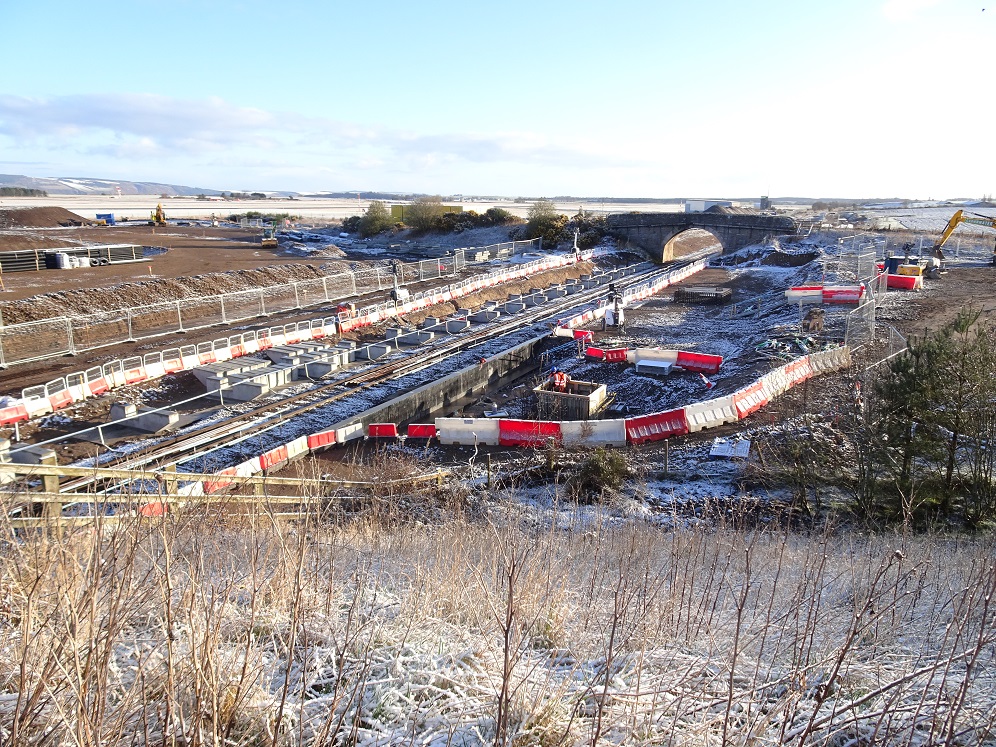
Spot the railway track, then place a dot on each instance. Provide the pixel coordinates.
(249, 424)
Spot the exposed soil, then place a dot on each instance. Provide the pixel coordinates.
(941, 300)
(40, 217)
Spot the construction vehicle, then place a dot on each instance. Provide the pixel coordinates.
(157, 217)
(270, 235)
(960, 216)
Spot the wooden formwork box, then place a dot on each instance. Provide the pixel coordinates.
(581, 401)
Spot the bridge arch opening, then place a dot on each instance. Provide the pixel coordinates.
(688, 241)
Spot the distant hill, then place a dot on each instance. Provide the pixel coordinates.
(84, 186)
(80, 186)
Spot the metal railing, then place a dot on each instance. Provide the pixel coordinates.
(68, 335)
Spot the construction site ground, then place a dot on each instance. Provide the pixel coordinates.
(757, 277)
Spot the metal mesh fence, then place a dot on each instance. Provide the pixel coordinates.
(50, 338)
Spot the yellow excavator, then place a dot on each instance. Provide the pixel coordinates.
(157, 217)
(957, 219)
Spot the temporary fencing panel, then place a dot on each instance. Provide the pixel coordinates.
(656, 427)
(535, 433)
(321, 440)
(593, 432)
(710, 413)
(421, 430)
(700, 362)
(750, 399)
(468, 431)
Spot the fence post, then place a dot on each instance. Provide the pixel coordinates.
(69, 336)
(179, 317)
(297, 299)
(262, 303)
(131, 337)
(352, 275)
(325, 288)
(224, 319)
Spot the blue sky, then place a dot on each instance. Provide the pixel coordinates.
(650, 99)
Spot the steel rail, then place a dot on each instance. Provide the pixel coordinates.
(269, 415)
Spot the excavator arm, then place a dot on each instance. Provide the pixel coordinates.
(957, 219)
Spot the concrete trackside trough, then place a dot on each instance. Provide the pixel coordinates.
(430, 399)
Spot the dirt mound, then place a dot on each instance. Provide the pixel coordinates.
(40, 217)
(83, 301)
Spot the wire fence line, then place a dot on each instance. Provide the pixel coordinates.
(68, 335)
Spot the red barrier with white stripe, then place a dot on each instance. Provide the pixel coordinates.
(656, 427)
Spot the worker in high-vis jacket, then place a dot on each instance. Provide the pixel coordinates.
(560, 380)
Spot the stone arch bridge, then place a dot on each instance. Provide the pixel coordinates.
(655, 232)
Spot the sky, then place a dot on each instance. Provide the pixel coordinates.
(631, 98)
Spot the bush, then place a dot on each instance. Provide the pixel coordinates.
(601, 471)
(352, 223)
(377, 219)
(424, 214)
(545, 222)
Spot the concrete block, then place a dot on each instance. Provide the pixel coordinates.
(534, 300)
(456, 326)
(415, 338)
(154, 421)
(247, 390)
(122, 410)
(374, 352)
(392, 333)
(32, 454)
(572, 288)
(514, 308)
(484, 316)
(429, 322)
(555, 292)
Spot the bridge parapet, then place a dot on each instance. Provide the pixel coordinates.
(653, 232)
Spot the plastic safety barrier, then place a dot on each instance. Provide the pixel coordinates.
(216, 486)
(273, 457)
(468, 431)
(135, 375)
(750, 399)
(775, 383)
(152, 510)
(798, 370)
(710, 413)
(593, 432)
(596, 353)
(653, 354)
(297, 447)
(321, 440)
(656, 427)
(534, 433)
(14, 414)
(249, 467)
(382, 430)
(843, 293)
(60, 399)
(699, 362)
(421, 430)
(616, 355)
